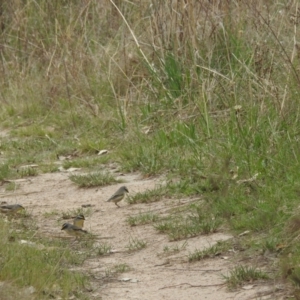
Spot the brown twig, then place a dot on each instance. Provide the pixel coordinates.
(191, 285)
(192, 270)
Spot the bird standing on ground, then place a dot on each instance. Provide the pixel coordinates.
(11, 209)
(118, 195)
(73, 230)
(79, 221)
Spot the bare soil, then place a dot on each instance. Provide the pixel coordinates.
(154, 273)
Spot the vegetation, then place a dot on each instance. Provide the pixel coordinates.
(204, 93)
(103, 249)
(93, 179)
(142, 219)
(209, 252)
(243, 274)
(136, 244)
(147, 197)
(37, 263)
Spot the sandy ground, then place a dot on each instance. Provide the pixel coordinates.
(153, 274)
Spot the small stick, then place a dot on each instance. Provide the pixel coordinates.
(191, 285)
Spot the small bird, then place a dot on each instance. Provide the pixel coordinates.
(79, 221)
(73, 230)
(118, 195)
(11, 209)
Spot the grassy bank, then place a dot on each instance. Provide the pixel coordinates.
(205, 93)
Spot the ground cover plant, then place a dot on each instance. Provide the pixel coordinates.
(40, 265)
(205, 94)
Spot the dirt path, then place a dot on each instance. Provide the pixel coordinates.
(153, 274)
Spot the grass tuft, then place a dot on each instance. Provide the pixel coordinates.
(147, 196)
(28, 172)
(243, 274)
(103, 249)
(209, 252)
(142, 219)
(93, 179)
(189, 223)
(121, 268)
(136, 244)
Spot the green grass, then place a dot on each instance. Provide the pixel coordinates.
(215, 114)
(136, 244)
(148, 196)
(103, 249)
(44, 268)
(181, 228)
(93, 179)
(52, 213)
(169, 250)
(142, 219)
(116, 269)
(11, 186)
(121, 268)
(85, 162)
(243, 275)
(209, 252)
(192, 221)
(28, 172)
(77, 211)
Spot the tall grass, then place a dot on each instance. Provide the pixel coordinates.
(203, 91)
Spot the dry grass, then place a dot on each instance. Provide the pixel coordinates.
(204, 92)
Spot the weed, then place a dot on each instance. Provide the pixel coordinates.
(5, 171)
(50, 214)
(242, 274)
(116, 269)
(48, 168)
(183, 226)
(77, 211)
(12, 186)
(103, 249)
(216, 113)
(209, 252)
(136, 244)
(93, 179)
(28, 171)
(147, 196)
(108, 273)
(121, 268)
(25, 260)
(142, 219)
(86, 162)
(174, 249)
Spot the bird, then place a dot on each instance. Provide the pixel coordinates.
(11, 208)
(79, 220)
(73, 230)
(118, 195)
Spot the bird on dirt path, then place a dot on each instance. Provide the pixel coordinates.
(11, 209)
(118, 195)
(79, 221)
(73, 230)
